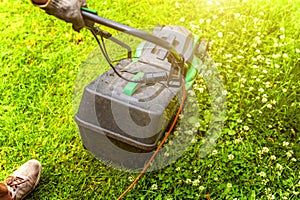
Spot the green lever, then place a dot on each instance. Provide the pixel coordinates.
(131, 87)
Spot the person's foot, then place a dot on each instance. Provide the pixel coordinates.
(21, 182)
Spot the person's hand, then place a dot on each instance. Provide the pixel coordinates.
(67, 10)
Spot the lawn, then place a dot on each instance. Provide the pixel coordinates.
(254, 44)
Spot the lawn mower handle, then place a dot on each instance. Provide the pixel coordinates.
(93, 17)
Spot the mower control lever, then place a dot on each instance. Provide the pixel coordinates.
(91, 16)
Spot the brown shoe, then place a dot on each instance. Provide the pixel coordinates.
(21, 182)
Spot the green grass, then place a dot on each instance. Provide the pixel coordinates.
(256, 45)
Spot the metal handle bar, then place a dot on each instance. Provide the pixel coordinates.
(131, 31)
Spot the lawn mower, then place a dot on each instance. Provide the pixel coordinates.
(125, 112)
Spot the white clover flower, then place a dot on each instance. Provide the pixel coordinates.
(238, 140)
(273, 157)
(260, 57)
(268, 61)
(201, 90)
(249, 115)
(262, 174)
(166, 154)
(267, 190)
(230, 157)
(285, 55)
(285, 144)
(265, 150)
(258, 42)
(239, 121)
(273, 102)
(209, 3)
(265, 181)
(282, 37)
(294, 159)
(278, 173)
(229, 185)
(196, 182)
(261, 90)
(154, 187)
(246, 128)
(191, 92)
(229, 55)
(289, 153)
(224, 92)
(284, 90)
(264, 100)
(279, 166)
(270, 126)
(188, 181)
(201, 188)
(275, 56)
(271, 197)
(277, 66)
(237, 15)
(297, 50)
(208, 20)
(269, 106)
(189, 132)
(220, 34)
(251, 88)
(214, 152)
(243, 80)
(197, 125)
(194, 140)
(131, 178)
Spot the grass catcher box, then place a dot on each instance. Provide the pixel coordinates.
(121, 122)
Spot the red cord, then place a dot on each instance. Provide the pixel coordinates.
(159, 146)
